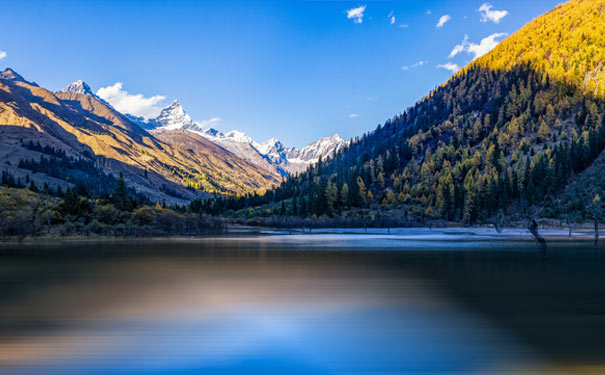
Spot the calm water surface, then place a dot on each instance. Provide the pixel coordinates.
(302, 304)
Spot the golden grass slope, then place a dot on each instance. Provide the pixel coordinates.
(80, 122)
(567, 43)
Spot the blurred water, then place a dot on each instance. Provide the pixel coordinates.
(302, 304)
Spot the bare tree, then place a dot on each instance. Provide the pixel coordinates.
(541, 242)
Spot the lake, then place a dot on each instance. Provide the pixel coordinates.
(412, 301)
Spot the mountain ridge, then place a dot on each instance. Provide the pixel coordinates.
(270, 155)
(96, 134)
(501, 138)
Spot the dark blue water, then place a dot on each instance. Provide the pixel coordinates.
(313, 304)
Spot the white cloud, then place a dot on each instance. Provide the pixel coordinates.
(356, 14)
(459, 47)
(487, 44)
(372, 98)
(449, 66)
(416, 65)
(353, 115)
(391, 18)
(2, 54)
(403, 26)
(443, 20)
(428, 12)
(487, 14)
(134, 104)
(210, 122)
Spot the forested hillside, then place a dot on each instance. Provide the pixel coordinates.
(505, 135)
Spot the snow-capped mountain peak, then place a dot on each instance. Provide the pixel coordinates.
(213, 133)
(238, 136)
(174, 117)
(79, 87)
(271, 154)
(323, 147)
(274, 150)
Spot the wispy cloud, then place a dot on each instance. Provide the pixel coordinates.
(403, 26)
(356, 14)
(449, 66)
(487, 14)
(353, 115)
(442, 20)
(428, 12)
(372, 98)
(416, 65)
(134, 104)
(391, 18)
(210, 122)
(2, 54)
(487, 44)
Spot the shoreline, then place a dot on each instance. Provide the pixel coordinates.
(449, 233)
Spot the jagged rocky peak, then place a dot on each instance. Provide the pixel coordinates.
(238, 136)
(325, 146)
(174, 117)
(213, 132)
(274, 150)
(11, 75)
(79, 87)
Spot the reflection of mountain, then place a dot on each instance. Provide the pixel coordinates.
(93, 134)
(271, 155)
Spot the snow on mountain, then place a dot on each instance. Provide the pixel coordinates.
(238, 136)
(271, 155)
(323, 147)
(275, 151)
(174, 117)
(79, 87)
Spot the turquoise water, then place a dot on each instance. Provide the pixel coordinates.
(301, 304)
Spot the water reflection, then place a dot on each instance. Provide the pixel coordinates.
(274, 305)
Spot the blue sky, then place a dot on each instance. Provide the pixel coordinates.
(292, 70)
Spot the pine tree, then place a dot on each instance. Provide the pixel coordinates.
(331, 196)
(363, 192)
(120, 196)
(344, 195)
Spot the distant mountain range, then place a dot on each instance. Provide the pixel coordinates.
(73, 137)
(271, 155)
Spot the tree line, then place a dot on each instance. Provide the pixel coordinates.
(487, 143)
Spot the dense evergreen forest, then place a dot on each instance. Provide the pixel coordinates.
(511, 135)
(518, 133)
(485, 143)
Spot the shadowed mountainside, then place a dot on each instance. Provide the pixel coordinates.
(86, 128)
(504, 136)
